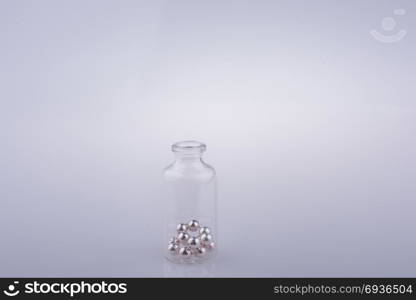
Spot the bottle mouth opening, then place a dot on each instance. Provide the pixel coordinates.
(189, 147)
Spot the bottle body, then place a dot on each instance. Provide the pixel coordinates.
(190, 206)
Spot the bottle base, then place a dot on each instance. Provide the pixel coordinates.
(189, 260)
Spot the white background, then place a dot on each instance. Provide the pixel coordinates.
(309, 121)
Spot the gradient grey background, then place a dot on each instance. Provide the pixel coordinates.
(309, 121)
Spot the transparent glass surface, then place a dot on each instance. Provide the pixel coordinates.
(190, 205)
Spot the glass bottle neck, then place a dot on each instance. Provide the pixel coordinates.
(188, 157)
(188, 152)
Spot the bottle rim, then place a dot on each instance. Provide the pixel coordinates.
(189, 147)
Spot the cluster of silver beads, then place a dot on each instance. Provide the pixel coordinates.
(191, 239)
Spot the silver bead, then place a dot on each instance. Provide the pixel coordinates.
(200, 251)
(173, 248)
(174, 240)
(193, 242)
(203, 230)
(210, 246)
(183, 237)
(193, 225)
(181, 227)
(185, 251)
(206, 238)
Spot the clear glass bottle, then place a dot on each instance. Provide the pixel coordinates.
(190, 205)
